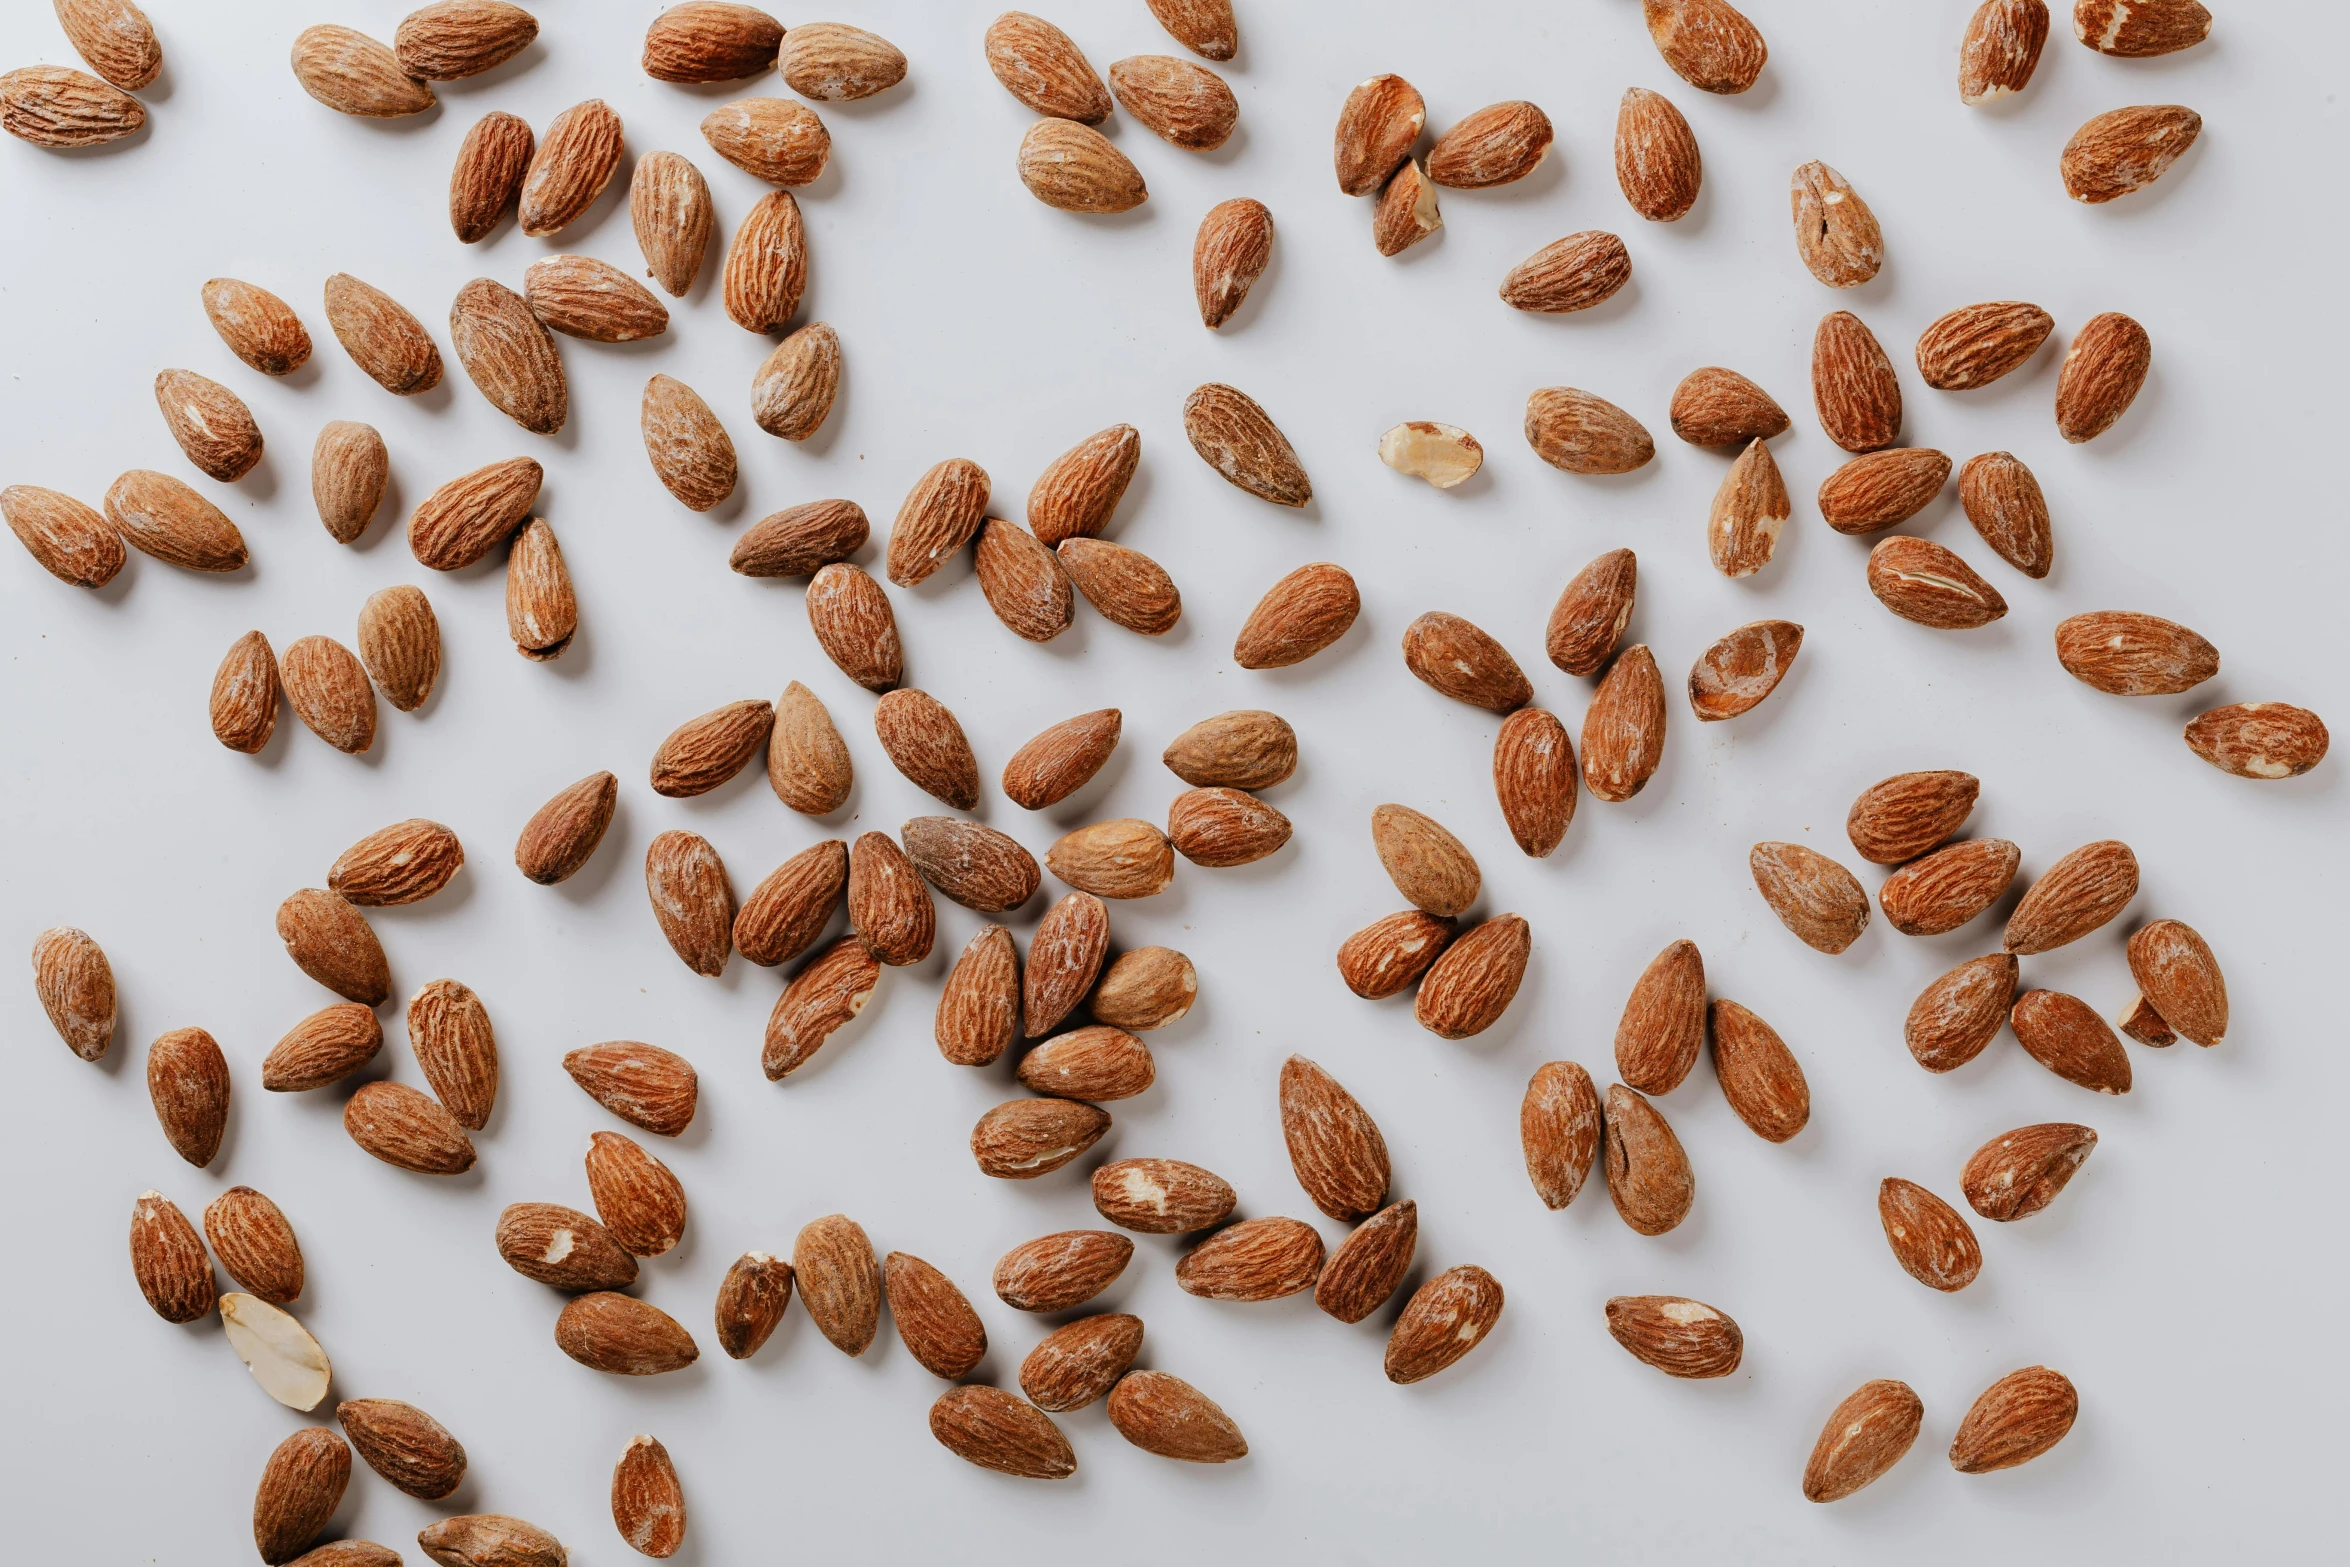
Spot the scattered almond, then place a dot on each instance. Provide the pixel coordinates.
(1147, 988)
(1750, 510)
(1681, 1338)
(692, 900)
(1299, 616)
(1064, 956)
(1061, 1271)
(1080, 1362)
(404, 863)
(1446, 1318)
(474, 513)
(2017, 1418)
(1114, 859)
(1497, 145)
(642, 1084)
(2003, 501)
(1662, 1030)
(1097, 1064)
(349, 469)
(1254, 1260)
(1428, 865)
(1179, 102)
(449, 1031)
(1473, 982)
(839, 1280)
(1865, 1436)
(1390, 954)
(648, 1503)
(245, 694)
(702, 753)
(325, 1047)
(1881, 489)
(1559, 1124)
(1407, 212)
(2001, 49)
(623, 1337)
(327, 687)
(580, 296)
(1624, 727)
(766, 268)
(889, 907)
(1232, 250)
(460, 38)
(640, 1201)
(51, 106)
(937, 1325)
(2126, 150)
(1461, 661)
(2135, 29)
(330, 941)
(2141, 1022)
(941, 514)
(1022, 1139)
(975, 865)
(1023, 581)
(158, 515)
(1534, 776)
(258, 327)
(1708, 43)
(1853, 387)
(834, 62)
(1237, 438)
(1591, 614)
(1126, 586)
(1931, 1241)
(669, 207)
(1377, 125)
(381, 337)
(800, 541)
(2018, 1173)
(773, 139)
(405, 1445)
(1224, 827)
(73, 543)
(1910, 813)
(486, 1540)
(2127, 654)
(1949, 887)
(1758, 1074)
(1334, 1145)
(1569, 274)
(2103, 370)
(705, 41)
(1061, 760)
(351, 73)
(76, 987)
(1657, 162)
(187, 1079)
(168, 1258)
(2174, 967)
(510, 357)
(1835, 232)
(1648, 1175)
(1443, 454)
(927, 745)
(1976, 345)
(752, 1299)
(562, 834)
(1042, 67)
(405, 1128)
(1816, 898)
(826, 994)
(1717, 407)
(1077, 169)
(1160, 1197)
(486, 180)
(1744, 667)
(115, 37)
(691, 453)
(2259, 739)
(575, 160)
(2073, 897)
(989, 1427)
(1922, 581)
(787, 912)
(2065, 1035)
(1368, 1267)
(562, 1247)
(301, 1486)
(1167, 1416)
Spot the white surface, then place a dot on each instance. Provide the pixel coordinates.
(2176, 1281)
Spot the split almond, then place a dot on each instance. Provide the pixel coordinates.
(2102, 373)
(1924, 582)
(1708, 43)
(1377, 125)
(1662, 1030)
(1390, 955)
(1126, 586)
(2001, 49)
(1738, 672)
(773, 139)
(474, 513)
(1624, 727)
(620, 1336)
(1657, 162)
(1446, 1318)
(72, 542)
(1443, 454)
(510, 356)
(2174, 967)
(1231, 251)
(1534, 779)
(330, 941)
(1569, 274)
(327, 687)
(937, 1325)
(1816, 898)
(975, 865)
(1591, 614)
(2127, 654)
(2141, 1022)
(642, 1084)
(1334, 1145)
(1299, 616)
(563, 833)
(989, 1427)
(2003, 500)
(2017, 1418)
(158, 515)
(1497, 145)
(1080, 1362)
(405, 1128)
(1949, 887)
(1880, 489)
(1161, 1197)
(1835, 232)
(1956, 1016)
(1147, 988)
(1559, 1124)
(381, 337)
(76, 987)
(889, 907)
(1853, 387)
(2065, 1035)
(1463, 662)
(1237, 438)
(486, 179)
(1428, 865)
(2126, 150)
(1061, 1271)
(2073, 897)
(1407, 212)
(1977, 344)
(1167, 1416)
(188, 1082)
(1473, 982)
(1758, 1074)
(1681, 1338)
(1254, 1260)
(449, 1031)
(1182, 103)
(752, 1299)
(575, 160)
(2018, 1173)
(2259, 739)
(1079, 491)
(1025, 1138)
(2128, 29)
(669, 207)
(245, 694)
(1933, 1244)
(1114, 859)
(1750, 511)
(167, 1256)
(823, 997)
(766, 270)
(692, 900)
(1865, 1436)
(927, 745)
(352, 73)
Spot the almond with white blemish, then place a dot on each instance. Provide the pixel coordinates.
(407, 1129)
(669, 207)
(1389, 955)
(639, 1200)
(76, 987)
(821, 998)
(1816, 898)
(1161, 1196)
(1443, 454)
(1299, 616)
(382, 337)
(1059, 1271)
(2128, 29)
(168, 1259)
(562, 834)
(1931, 1241)
(1446, 1318)
(1591, 614)
(1569, 274)
(1126, 586)
(801, 540)
(327, 687)
(1949, 887)
(449, 1031)
(648, 1503)
(1125, 858)
(1624, 727)
(1023, 581)
(245, 694)
(1368, 1267)
(481, 1538)
(1061, 760)
(2174, 967)
(1462, 661)
(752, 1299)
(1252, 1261)
(474, 513)
(1407, 212)
(2126, 150)
(973, 864)
(927, 745)
(1681, 1338)
(1022, 1139)
(1429, 866)
(331, 942)
(324, 1048)
(1496, 145)
(1956, 1016)
(486, 179)
(1717, 407)
(1534, 779)
(1922, 581)
(1231, 251)
(2259, 739)
(1147, 988)
(1377, 125)
(1758, 1073)
(1559, 1125)
(1865, 1436)
(1744, 667)
(1473, 982)
(1750, 510)
(2127, 654)
(773, 139)
(1880, 489)
(158, 515)
(2064, 1034)
(1657, 162)
(188, 1082)
(692, 900)
(1181, 103)
(1910, 813)
(406, 862)
(1662, 1030)
(1080, 1362)
(889, 907)
(73, 542)
(935, 1322)
(2001, 49)
(575, 160)
(2073, 897)
(352, 73)
(642, 1084)
(1237, 438)
(2018, 1173)
(766, 269)
(1708, 43)
(1835, 232)
(979, 1006)
(1334, 1145)
(509, 355)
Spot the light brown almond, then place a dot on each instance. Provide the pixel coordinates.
(2126, 150)
(1922, 581)
(691, 453)
(258, 327)
(1079, 490)
(1160, 1197)
(2017, 1418)
(158, 515)
(833, 62)
(73, 542)
(702, 753)
(1179, 102)
(927, 745)
(1407, 212)
(1060, 1271)
(766, 269)
(1446, 1318)
(1910, 813)
(1126, 586)
(1569, 274)
(459, 38)
(1224, 827)
(752, 1299)
(580, 296)
(937, 1325)
(382, 337)
(669, 207)
(1042, 67)
(2003, 500)
(484, 1539)
(245, 694)
(349, 470)
(708, 41)
(1559, 1125)
(1681, 1338)
(1662, 1030)
(973, 864)
(1835, 232)
(2174, 967)
(800, 541)
(839, 1279)
(1205, 27)
(1390, 954)
(1368, 1267)
(2073, 897)
(1077, 169)
(2018, 1173)
(1816, 898)
(1254, 1260)
(1931, 1241)
(1167, 1416)
(1853, 387)
(1758, 1073)
(405, 1128)
(1737, 673)
(692, 900)
(1750, 510)
(991, 1428)
(509, 355)
(1591, 614)
(486, 180)
(1648, 1175)
(1147, 988)
(575, 160)
(2065, 1035)
(1023, 581)
(325, 1047)
(2001, 49)
(2259, 739)
(1717, 407)
(1708, 43)
(648, 1503)
(168, 1258)
(941, 514)
(1977, 344)
(2102, 373)
(406, 862)
(405, 1445)
(636, 1196)
(1960, 1013)
(327, 687)
(825, 995)
(188, 1082)
(1865, 1436)
(2127, 654)
(1022, 1139)
(1237, 438)
(1949, 887)
(1114, 859)
(1879, 489)
(1299, 616)
(621, 1336)
(301, 1486)
(1246, 749)
(1657, 162)
(1334, 1145)
(1624, 727)
(1080, 1362)
(563, 1248)
(1231, 251)
(1064, 957)
(449, 1031)
(562, 834)
(331, 942)
(115, 37)
(1474, 980)
(785, 914)
(51, 106)
(1463, 662)
(76, 987)
(474, 513)
(1377, 125)
(1534, 776)
(1061, 760)
(1495, 145)
(2135, 29)
(773, 139)
(889, 907)
(642, 1084)
(352, 73)
(1428, 865)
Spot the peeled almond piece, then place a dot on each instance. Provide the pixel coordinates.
(1442, 454)
(278, 1350)
(1738, 672)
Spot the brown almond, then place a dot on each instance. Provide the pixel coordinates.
(1377, 125)
(1224, 827)
(2003, 500)
(1931, 1241)
(2126, 150)
(702, 753)
(975, 865)
(941, 514)
(1079, 490)
(1205, 27)
(1949, 887)
(1717, 407)
(1042, 67)
(479, 1539)
(1559, 1124)
(826, 994)
(937, 1325)
(1024, 582)
(1910, 813)
(979, 1007)
(2018, 1173)
(2127, 654)
(1077, 169)
(580, 296)
(1681, 1338)
(2102, 373)
(2065, 1035)
(1473, 982)
(187, 1079)
(800, 541)
(1977, 344)
(1254, 1260)
(1865, 1436)
(330, 941)
(158, 515)
(1569, 274)
(1177, 101)
(766, 270)
(301, 1486)
(1853, 387)
(2174, 967)
(1624, 727)
(1758, 1073)
(691, 453)
(167, 1256)
(1496, 145)
(73, 542)
(327, 687)
(1428, 865)
(1147, 988)
(1407, 212)
(1245, 749)
(1237, 438)
(889, 907)
(839, 1279)
(834, 62)
(562, 834)
(1960, 1013)
(1750, 510)
(115, 37)
(2141, 1022)
(1161, 1197)
(245, 694)
(1388, 955)
(486, 180)
(785, 914)
(562, 1247)
(2073, 897)
(1591, 614)
(1879, 489)
(692, 900)
(1534, 777)
(449, 1031)
(382, 337)
(406, 862)
(1835, 232)
(1115, 859)
(509, 355)
(1446, 1318)
(851, 618)
(1744, 667)
(2017, 1418)
(2133, 29)
(259, 328)
(1075, 1364)
(2259, 739)
(1657, 162)
(405, 1445)
(1167, 1416)
(636, 1196)
(1463, 662)
(1662, 1030)
(405, 1128)
(752, 1299)
(1126, 586)
(989, 1427)
(927, 745)
(1061, 760)
(1057, 1272)
(349, 470)
(648, 1503)
(51, 106)
(352, 73)
(460, 38)
(474, 513)
(575, 160)
(1064, 957)
(325, 1047)
(1334, 1145)
(642, 1084)
(1816, 898)
(76, 987)
(1231, 251)
(1368, 1267)
(773, 139)
(1022, 1139)
(1922, 581)
(1708, 43)
(706, 41)
(669, 207)
(1298, 617)
(621, 1336)
(2001, 49)
(1648, 1174)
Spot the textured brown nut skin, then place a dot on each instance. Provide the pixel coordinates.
(1624, 727)
(1495, 145)
(692, 899)
(691, 453)
(1126, 586)
(1168, 1416)
(989, 1427)
(2259, 739)
(1879, 489)
(1377, 125)
(76, 987)
(1334, 1145)
(940, 514)
(1368, 1267)
(325, 1047)
(642, 1084)
(327, 688)
(853, 623)
(406, 862)
(1682, 1338)
(1185, 104)
(158, 515)
(772, 139)
(1064, 957)
(1923, 582)
(1933, 1244)
(938, 1326)
(839, 1281)
(2001, 49)
(1569, 274)
(2127, 654)
(115, 37)
(636, 1196)
(1022, 1139)
(800, 541)
(473, 514)
(1948, 887)
(574, 161)
(2003, 501)
(1559, 1124)
(405, 1128)
(73, 543)
(2126, 150)
(1096, 1063)
(707, 41)
(1077, 169)
(832, 62)
(487, 177)
(1246, 749)
(1299, 616)
(648, 1504)
(1739, 672)
(1060, 1271)
(1865, 1436)
(1061, 760)
(2065, 1035)
(1024, 582)
(187, 1078)
(1147, 988)
(1473, 982)
(1432, 869)
(702, 753)
(2174, 967)
(669, 207)
(1224, 827)
(488, 1540)
(1114, 859)
(1231, 251)
(1717, 407)
(1956, 1016)
(52, 106)
(405, 1445)
(1407, 212)
(623, 1336)
(976, 866)
(1254, 1260)
(562, 834)
(890, 908)
(2102, 373)
(1648, 1175)
(1854, 389)
(1079, 490)
(2017, 1418)
(460, 38)
(926, 743)
(1081, 1361)
(349, 469)
(1708, 43)
(382, 337)
(1534, 778)
(1909, 814)
(348, 1553)
(1446, 1318)
(1657, 162)
(301, 1486)
(1977, 344)
(330, 941)
(2073, 897)
(256, 1244)
(509, 356)
(258, 327)
(823, 997)
(245, 694)
(1205, 27)
(1662, 1030)
(1758, 1074)
(1592, 612)
(1042, 67)
(1235, 436)
(1388, 955)
(1464, 662)
(168, 1259)
(1816, 898)
(766, 268)
(2132, 29)
(2018, 1173)
(1161, 1196)
(979, 1006)
(1749, 512)
(1835, 232)
(752, 1299)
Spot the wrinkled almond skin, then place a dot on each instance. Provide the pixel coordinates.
(2127, 654)
(301, 1486)
(1062, 759)
(245, 694)
(853, 623)
(1231, 251)
(168, 1258)
(1648, 1175)
(1060, 1271)
(800, 541)
(1161, 1196)
(349, 470)
(1681, 1338)
(474, 513)
(1473, 982)
(1334, 1145)
(1816, 898)
(1205, 27)
(1299, 616)
(1717, 407)
(773, 139)
(926, 744)
(989, 1427)
(642, 1084)
(2065, 1035)
(1624, 727)
(1224, 827)
(1254, 1260)
(823, 996)
(1909, 814)
(1080, 1362)
(1657, 162)
(327, 688)
(563, 1248)
(76, 987)
(1390, 955)
(509, 356)
(562, 834)
(1368, 1267)
(2101, 376)
(1956, 1016)
(1835, 232)
(1865, 1436)
(73, 543)
(2259, 739)
(1853, 387)
(2126, 150)
(1569, 274)
(258, 327)
(115, 37)
(2003, 500)
(620, 1335)
(1097, 1064)
(2001, 49)
(669, 207)
(188, 1081)
(575, 160)
(1559, 1125)
(2180, 978)
(1244, 749)
(460, 38)
(486, 179)
(382, 337)
(1446, 1318)
(648, 1503)
(2018, 1173)
(979, 1007)
(1429, 866)
(1042, 67)
(937, 1325)
(2130, 29)
(1591, 614)
(2073, 897)
(330, 941)
(159, 516)
(702, 753)
(2017, 1418)
(1079, 490)
(1977, 344)
(1023, 581)
(1407, 212)
(941, 514)
(1126, 586)
(839, 1281)
(692, 900)
(636, 1196)
(256, 1244)
(1750, 511)
(1462, 661)
(52, 106)
(1495, 145)
(1064, 957)
(449, 1031)
(766, 269)
(487, 1540)
(325, 1047)
(1534, 779)
(406, 862)
(1147, 988)
(1923, 582)
(832, 62)
(1235, 436)
(405, 1445)
(691, 453)
(1022, 1139)
(352, 73)
(975, 865)
(1949, 887)
(1662, 1030)
(1167, 1416)
(752, 1299)
(1114, 859)
(1931, 1241)
(1377, 125)
(1740, 671)
(1077, 169)
(1182, 103)
(405, 1128)
(1879, 489)
(889, 907)
(1708, 43)
(708, 41)
(1758, 1074)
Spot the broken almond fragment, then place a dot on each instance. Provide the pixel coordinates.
(1443, 454)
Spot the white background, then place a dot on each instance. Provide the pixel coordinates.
(2186, 1280)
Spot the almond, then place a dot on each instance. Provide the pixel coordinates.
(381, 337)
(2141, 1022)
(1231, 251)
(1624, 727)
(1428, 865)
(1758, 1074)
(1407, 212)
(2018, 1173)
(575, 160)
(1443, 454)
(1179, 102)
(1147, 988)
(1657, 162)
(639, 1200)
(648, 1504)
(330, 941)
(2073, 897)
(1224, 827)
(1949, 887)
(258, 327)
(1708, 43)
(1160, 1197)
(1057, 1272)
(486, 180)
(580, 296)
(2134, 29)
(1126, 586)
(244, 694)
(889, 907)
(1237, 438)
(826, 994)
(939, 1328)
(787, 912)
(1064, 956)
(1245, 749)
(976, 866)
(1079, 490)
(2259, 739)
(1534, 777)
(489, 1540)
(692, 900)
(927, 745)
(1390, 954)
(167, 1256)
(1933, 1244)
(405, 1445)
(2173, 965)
(328, 690)
(704, 41)
(405, 1128)
(1590, 616)
(1334, 1145)
(1473, 982)
(1254, 1260)
(1910, 813)
(72, 542)
(1750, 510)
(642, 1084)
(772, 139)
(2001, 49)
(800, 541)
(76, 987)
(1717, 407)
(351, 73)
(1559, 1124)
(562, 1247)
(459, 38)
(1681, 1338)
(623, 1337)
(1879, 489)
(2004, 502)
(158, 515)
(691, 453)
(301, 1486)
(1960, 1013)
(1368, 1267)
(702, 753)
(1167, 1416)
(2103, 370)
(941, 514)
(1976, 345)
(1496, 145)
(1299, 616)
(2126, 150)
(1569, 274)
(1922, 581)
(840, 1281)
(1461, 661)
(1377, 125)
(2017, 1418)
(669, 207)
(1080, 1362)
(510, 357)
(1114, 859)
(1446, 1318)
(474, 513)
(349, 470)
(406, 862)
(752, 1299)
(1744, 667)
(766, 268)
(1816, 898)
(254, 1242)
(449, 1030)
(2126, 654)
(1042, 67)
(115, 37)
(991, 1428)
(564, 832)
(1865, 1436)
(1023, 581)
(1853, 387)
(1662, 1030)
(2065, 1035)
(187, 1078)
(1075, 168)
(1835, 232)
(1648, 1175)
(834, 62)
(1205, 27)
(1022, 1139)
(325, 1047)
(1062, 759)
(51, 106)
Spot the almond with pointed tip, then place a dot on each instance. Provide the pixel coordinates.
(1377, 125)
(1446, 1318)
(2136, 29)
(1022, 1139)
(622, 1336)
(1948, 887)
(1432, 869)
(1077, 1363)
(1161, 1197)
(2259, 739)
(889, 907)
(787, 912)
(1147, 988)
(1758, 1073)
(2018, 1173)
(324, 1048)
(331, 942)
(839, 1280)
(406, 862)
(449, 1031)
(2127, 654)
(641, 1203)
(1865, 1436)
(352, 73)
(76, 987)
(486, 180)
(1708, 43)
(1496, 145)
(1717, 407)
(510, 357)
(1166, 1415)
(1744, 667)
(188, 1081)
(1750, 510)
(382, 337)
(1077, 169)
(301, 1486)
(2001, 49)
(2015, 1420)
(563, 1248)
(707, 41)
(752, 1299)
(1662, 1030)
(1569, 274)
(72, 542)
(562, 834)
(1023, 581)
(691, 453)
(702, 753)
(1061, 760)
(115, 37)
(1977, 344)
(1060, 1271)
(2126, 150)
(773, 139)
(490, 1540)
(1922, 581)
(989, 1427)
(1681, 1338)
(2073, 897)
(327, 687)
(580, 296)
(1064, 957)
(2141, 1022)
(669, 207)
(1079, 490)
(833, 62)
(1125, 858)
(459, 38)
(1245, 749)
(1334, 1145)
(1231, 251)
(927, 745)
(1237, 438)
(1835, 232)
(1559, 1126)
(1126, 586)
(349, 470)
(158, 515)
(1389, 955)
(1880, 489)
(642, 1084)
(2101, 376)
(1853, 387)
(1473, 982)
(1299, 616)
(1816, 898)
(258, 327)
(1910, 813)
(648, 1503)
(941, 514)
(1591, 614)
(766, 269)
(1931, 1241)
(824, 996)
(1648, 1175)
(801, 540)
(2175, 969)
(1465, 663)
(2003, 500)
(1534, 779)
(1223, 827)
(2065, 1035)
(1254, 1260)
(1407, 212)
(1205, 27)
(245, 694)
(474, 513)
(405, 1445)
(937, 1325)
(1624, 727)
(168, 1259)
(1185, 104)
(405, 1128)
(575, 160)
(51, 106)
(692, 900)
(1658, 166)
(1368, 1267)
(975, 865)
(1042, 67)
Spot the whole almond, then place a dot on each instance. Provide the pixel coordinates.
(382, 337)
(1407, 212)
(1681, 1338)
(1024, 582)
(1167, 1416)
(1758, 1073)
(621, 1336)
(642, 1084)
(640, 1201)
(1717, 407)
(1022, 1139)
(1496, 145)
(851, 617)
(1237, 438)
(2018, 1173)
(258, 327)
(1080, 1362)
(1428, 865)
(158, 515)
(1662, 1030)
(459, 38)
(51, 106)
(2001, 49)
(648, 1503)
(253, 1240)
(1657, 162)
(330, 941)
(1910, 813)
(706, 41)
(1368, 1267)
(1042, 67)
(2259, 739)
(833, 62)
(1224, 827)
(73, 542)
(839, 1279)
(989, 1427)
(1569, 274)
(2127, 654)
(1853, 387)
(1079, 490)
(2141, 1022)
(773, 139)
(766, 268)
(1949, 887)
(580, 296)
(691, 453)
(76, 987)
(575, 160)
(752, 1299)
(1473, 982)
(563, 833)
(1076, 168)
(1977, 344)
(406, 862)
(1161, 1197)
(1254, 1260)
(927, 745)
(2065, 1035)
(1446, 1318)
(2174, 967)
(301, 1486)
(1298, 617)
(1126, 586)
(187, 1078)
(1246, 749)
(1390, 954)
(1057, 1272)
(1559, 1124)
(937, 1324)
(1648, 1175)
(702, 753)
(975, 865)
(2135, 29)
(826, 994)
(352, 73)
(1591, 614)
(800, 541)
(509, 355)
(1062, 759)
(349, 470)
(487, 1540)
(2126, 150)
(1750, 510)
(1231, 251)
(1377, 125)
(486, 180)
(1931, 1241)
(245, 694)
(1064, 957)
(1737, 673)
(2102, 372)
(167, 1256)
(1624, 727)
(785, 914)
(669, 207)
(405, 1128)
(889, 907)
(2003, 501)
(405, 1445)
(1922, 581)
(1334, 1145)
(115, 37)
(1835, 232)
(1879, 489)
(941, 514)
(1534, 775)
(692, 900)
(1114, 859)
(1708, 43)
(1816, 898)
(328, 690)
(325, 1047)
(1147, 988)
(562, 1247)
(1179, 102)
(1463, 662)
(2073, 897)
(1960, 1013)
(2017, 1418)
(474, 513)
(1865, 1436)
(1205, 27)
(449, 1031)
